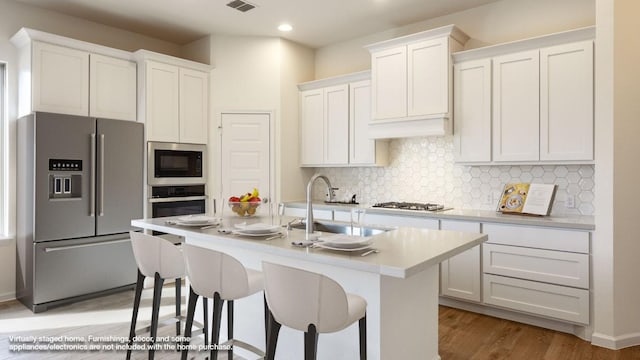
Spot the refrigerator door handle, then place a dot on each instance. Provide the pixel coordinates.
(92, 180)
(101, 174)
(61, 248)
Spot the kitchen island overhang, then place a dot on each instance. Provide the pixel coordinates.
(400, 284)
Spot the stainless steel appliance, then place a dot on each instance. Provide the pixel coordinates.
(411, 206)
(80, 182)
(176, 164)
(178, 200)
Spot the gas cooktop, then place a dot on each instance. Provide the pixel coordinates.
(411, 206)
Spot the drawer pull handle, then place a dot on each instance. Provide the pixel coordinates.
(61, 248)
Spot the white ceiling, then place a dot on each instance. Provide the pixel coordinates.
(316, 23)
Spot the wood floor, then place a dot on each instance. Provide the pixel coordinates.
(463, 335)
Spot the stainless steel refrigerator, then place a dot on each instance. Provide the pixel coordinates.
(80, 182)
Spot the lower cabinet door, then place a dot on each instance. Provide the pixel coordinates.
(460, 274)
(559, 302)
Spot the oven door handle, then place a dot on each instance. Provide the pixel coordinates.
(175, 199)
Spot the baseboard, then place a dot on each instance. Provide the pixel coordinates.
(617, 342)
(11, 295)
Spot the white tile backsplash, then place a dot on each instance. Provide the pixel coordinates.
(423, 170)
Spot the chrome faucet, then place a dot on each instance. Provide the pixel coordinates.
(309, 225)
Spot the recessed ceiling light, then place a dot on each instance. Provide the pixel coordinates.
(285, 27)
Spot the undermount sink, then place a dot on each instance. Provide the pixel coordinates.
(343, 228)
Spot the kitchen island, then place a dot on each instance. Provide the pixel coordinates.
(400, 284)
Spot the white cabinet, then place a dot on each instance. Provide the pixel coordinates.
(460, 274)
(162, 102)
(399, 220)
(541, 100)
(336, 125)
(175, 98)
(566, 102)
(67, 76)
(411, 83)
(325, 126)
(472, 111)
(389, 88)
(113, 88)
(516, 107)
(194, 106)
(60, 79)
(540, 271)
(334, 117)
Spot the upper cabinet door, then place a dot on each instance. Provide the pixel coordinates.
(389, 83)
(60, 79)
(362, 150)
(336, 125)
(428, 79)
(113, 84)
(472, 111)
(566, 102)
(312, 127)
(516, 99)
(162, 90)
(194, 106)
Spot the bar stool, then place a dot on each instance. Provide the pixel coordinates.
(312, 303)
(213, 274)
(160, 259)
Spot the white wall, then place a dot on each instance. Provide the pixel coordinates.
(13, 16)
(498, 22)
(616, 245)
(260, 74)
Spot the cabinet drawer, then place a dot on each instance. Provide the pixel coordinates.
(542, 238)
(562, 268)
(553, 301)
(302, 213)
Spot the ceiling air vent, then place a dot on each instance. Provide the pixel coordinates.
(241, 5)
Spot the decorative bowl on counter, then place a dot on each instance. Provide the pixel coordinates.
(244, 208)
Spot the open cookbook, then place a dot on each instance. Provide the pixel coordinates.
(526, 198)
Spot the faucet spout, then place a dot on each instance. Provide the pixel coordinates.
(309, 225)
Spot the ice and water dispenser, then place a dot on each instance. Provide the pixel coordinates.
(65, 178)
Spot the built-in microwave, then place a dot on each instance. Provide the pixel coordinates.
(176, 164)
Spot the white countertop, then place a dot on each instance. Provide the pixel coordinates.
(403, 252)
(577, 222)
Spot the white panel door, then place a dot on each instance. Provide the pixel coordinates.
(336, 125)
(312, 127)
(389, 83)
(245, 156)
(516, 107)
(566, 102)
(460, 274)
(113, 85)
(60, 79)
(428, 77)
(163, 86)
(194, 106)
(362, 150)
(472, 111)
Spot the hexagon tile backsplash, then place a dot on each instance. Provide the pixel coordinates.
(423, 170)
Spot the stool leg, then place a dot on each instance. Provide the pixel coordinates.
(205, 323)
(272, 338)
(266, 321)
(157, 296)
(215, 327)
(230, 326)
(136, 307)
(310, 343)
(362, 324)
(178, 303)
(191, 309)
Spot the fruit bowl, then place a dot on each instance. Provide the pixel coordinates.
(244, 208)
